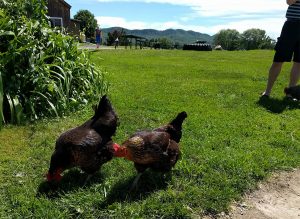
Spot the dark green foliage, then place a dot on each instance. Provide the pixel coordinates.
(112, 36)
(32, 9)
(1, 101)
(228, 39)
(249, 40)
(43, 72)
(161, 43)
(88, 22)
(256, 39)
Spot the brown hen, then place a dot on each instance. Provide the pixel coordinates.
(158, 149)
(87, 146)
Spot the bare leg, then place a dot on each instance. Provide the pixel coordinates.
(273, 74)
(295, 74)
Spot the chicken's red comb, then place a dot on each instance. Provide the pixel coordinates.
(119, 151)
(54, 177)
(116, 147)
(50, 177)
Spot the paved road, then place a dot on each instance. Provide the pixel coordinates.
(93, 46)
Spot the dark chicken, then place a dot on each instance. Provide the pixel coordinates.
(293, 92)
(158, 149)
(87, 146)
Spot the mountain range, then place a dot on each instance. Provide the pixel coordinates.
(177, 36)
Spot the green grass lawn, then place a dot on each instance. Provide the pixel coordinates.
(231, 139)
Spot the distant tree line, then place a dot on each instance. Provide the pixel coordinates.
(231, 39)
(156, 43)
(161, 43)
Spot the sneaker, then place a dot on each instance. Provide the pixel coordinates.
(290, 97)
(292, 92)
(264, 95)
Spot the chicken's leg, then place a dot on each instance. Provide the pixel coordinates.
(87, 179)
(135, 181)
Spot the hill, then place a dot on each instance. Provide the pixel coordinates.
(178, 35)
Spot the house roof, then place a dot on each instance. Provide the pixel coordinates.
(65, 3)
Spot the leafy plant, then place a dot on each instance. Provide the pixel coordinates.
(43, 72)
(88, 22)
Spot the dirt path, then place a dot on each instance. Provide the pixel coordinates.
(277, 198)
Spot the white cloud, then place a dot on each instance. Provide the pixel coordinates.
(120, 22)
(221, 7)
(272, 25)
(240, 15)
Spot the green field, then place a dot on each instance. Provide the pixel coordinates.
(231, 139)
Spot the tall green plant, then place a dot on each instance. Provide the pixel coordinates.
(44, 73)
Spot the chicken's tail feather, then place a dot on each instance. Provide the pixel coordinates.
(103, 107)
(175, 126)
(177, 122)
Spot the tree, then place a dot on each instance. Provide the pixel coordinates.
(269, 43)
(88, 22)
(165, 43)
(256, 39)
(161, 43)
(229, 39)
(112, 36)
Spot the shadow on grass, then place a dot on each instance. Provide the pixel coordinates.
(148, 183)
(72, 180)
(278, 105)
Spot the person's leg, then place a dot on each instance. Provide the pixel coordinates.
(295, 74)
(273, 74)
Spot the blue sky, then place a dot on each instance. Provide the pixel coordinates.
(205, 16)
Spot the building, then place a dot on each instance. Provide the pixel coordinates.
(59, 13)
(198, 46)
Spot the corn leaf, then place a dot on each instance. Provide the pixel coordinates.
(1, 102)
(11, 108)
(7, 33)
(18, 110)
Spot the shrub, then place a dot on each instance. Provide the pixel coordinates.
(43, 72)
